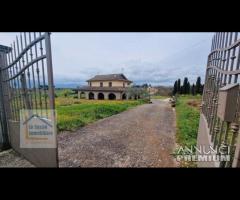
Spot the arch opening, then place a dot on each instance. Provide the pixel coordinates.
(111, 96)
(82, 95)
(91, 95)
(100, 96)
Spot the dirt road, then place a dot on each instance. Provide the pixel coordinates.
(140, 137)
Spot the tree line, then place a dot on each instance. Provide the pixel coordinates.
(187, 88)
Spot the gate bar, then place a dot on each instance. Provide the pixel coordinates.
(5, 144)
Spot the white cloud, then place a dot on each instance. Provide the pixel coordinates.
(157, 58)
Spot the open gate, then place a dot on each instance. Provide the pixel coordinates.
(220, 112)
(26, 77)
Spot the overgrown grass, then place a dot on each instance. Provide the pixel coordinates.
(188, 113)
(74, 113)
(64, 93)
(159, 97)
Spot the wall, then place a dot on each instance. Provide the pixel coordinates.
(204, 139)
(106, 83)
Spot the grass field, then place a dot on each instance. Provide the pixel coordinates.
(187, 111)
(159, 97)
(73, 113)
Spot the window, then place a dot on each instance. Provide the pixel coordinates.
(110, 84)
(90, 83)
(123, 84)
(101, 84)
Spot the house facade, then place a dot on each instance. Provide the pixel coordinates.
(109, 86)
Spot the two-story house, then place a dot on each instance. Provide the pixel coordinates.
(110, 86)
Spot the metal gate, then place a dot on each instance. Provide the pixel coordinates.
(27, 83)
(220, 109)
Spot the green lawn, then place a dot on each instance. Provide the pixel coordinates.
(74, 113)
(188, 113)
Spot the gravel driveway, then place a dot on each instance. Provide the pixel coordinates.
(140, 137)
(11, 158)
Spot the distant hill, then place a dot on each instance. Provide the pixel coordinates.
(67, 85)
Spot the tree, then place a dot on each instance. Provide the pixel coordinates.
(198, 85)
(133, 92)
(175, 87)
(179, 85)
(193, 89)
(66, 93)
(145, 85)
(188, 89)
(201, 89)
(185, 86)
(181, 90)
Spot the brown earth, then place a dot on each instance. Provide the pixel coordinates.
(194, 103)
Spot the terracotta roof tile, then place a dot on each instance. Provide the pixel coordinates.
(109, 77)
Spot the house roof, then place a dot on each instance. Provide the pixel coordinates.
(103, 89)
(110, 77)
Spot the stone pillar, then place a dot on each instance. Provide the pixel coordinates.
(86, 95)
(95, 95)
(118, 95)
(106, 95)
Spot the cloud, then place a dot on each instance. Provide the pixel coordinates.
(156, 58)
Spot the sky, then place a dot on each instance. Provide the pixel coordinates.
(153, 58)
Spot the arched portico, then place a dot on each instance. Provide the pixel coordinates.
(111, 96)
(91, 95)
(100, 96)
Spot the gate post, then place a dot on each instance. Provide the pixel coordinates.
(4, 139)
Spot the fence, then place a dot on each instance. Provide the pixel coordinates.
(26, 78)
(220, 109)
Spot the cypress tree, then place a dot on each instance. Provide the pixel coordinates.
(181, 89)
(201, 89)
(179, 85)
(185, 85)
(198, 85)
(193, 89)
(189, 88)
(175, 88)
